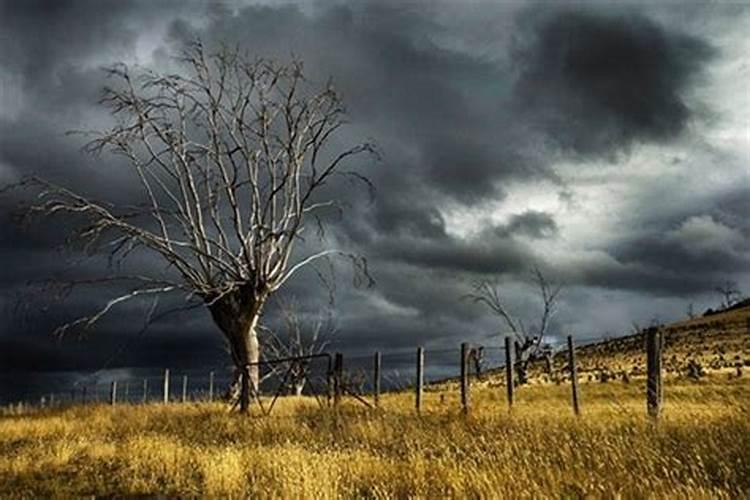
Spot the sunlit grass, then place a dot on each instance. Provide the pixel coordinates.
(699, 449)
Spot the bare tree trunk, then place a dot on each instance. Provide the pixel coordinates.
(237, 315)
(246, 354)
(298, 387)
(251, 355)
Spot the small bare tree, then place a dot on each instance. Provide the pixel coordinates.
(529, 342)
(729, 292)
(233, 156)
(297, 336)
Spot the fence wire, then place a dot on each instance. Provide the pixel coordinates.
(398, 371)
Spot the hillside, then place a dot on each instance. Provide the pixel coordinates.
(719, 342)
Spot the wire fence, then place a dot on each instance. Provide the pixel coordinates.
(364, 375)
(144, 385)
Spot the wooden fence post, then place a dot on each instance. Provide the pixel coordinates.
(465, 397)
(113, 393)
(145, 390)
(509, 372)
(184, 388)
(653, 368)
(126, 395)
(84, 397)
(329, 381)
(165, 395)
(420, 378)
(376, 378)
(573, 375)
(210, 386)
(338, 375)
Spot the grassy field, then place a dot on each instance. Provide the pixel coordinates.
(700, 449)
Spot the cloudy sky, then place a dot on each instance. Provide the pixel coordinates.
(607, 143)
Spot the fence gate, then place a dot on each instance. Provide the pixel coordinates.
(296, 375)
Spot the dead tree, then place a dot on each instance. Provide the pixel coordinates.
(232, 156)
(297, 336)
(729, 292)
(529, 343)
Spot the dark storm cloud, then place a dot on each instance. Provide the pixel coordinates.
(38, 138)
(598, 82)
(485, 255)
(676, 252)
(406, 218)
(699, 249)
(42, 35)
(534, 224)
(732, 208)
(177, 337)
(680, 252)
(610, 274)
(444, 106)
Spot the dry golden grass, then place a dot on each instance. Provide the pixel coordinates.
(700, 449)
